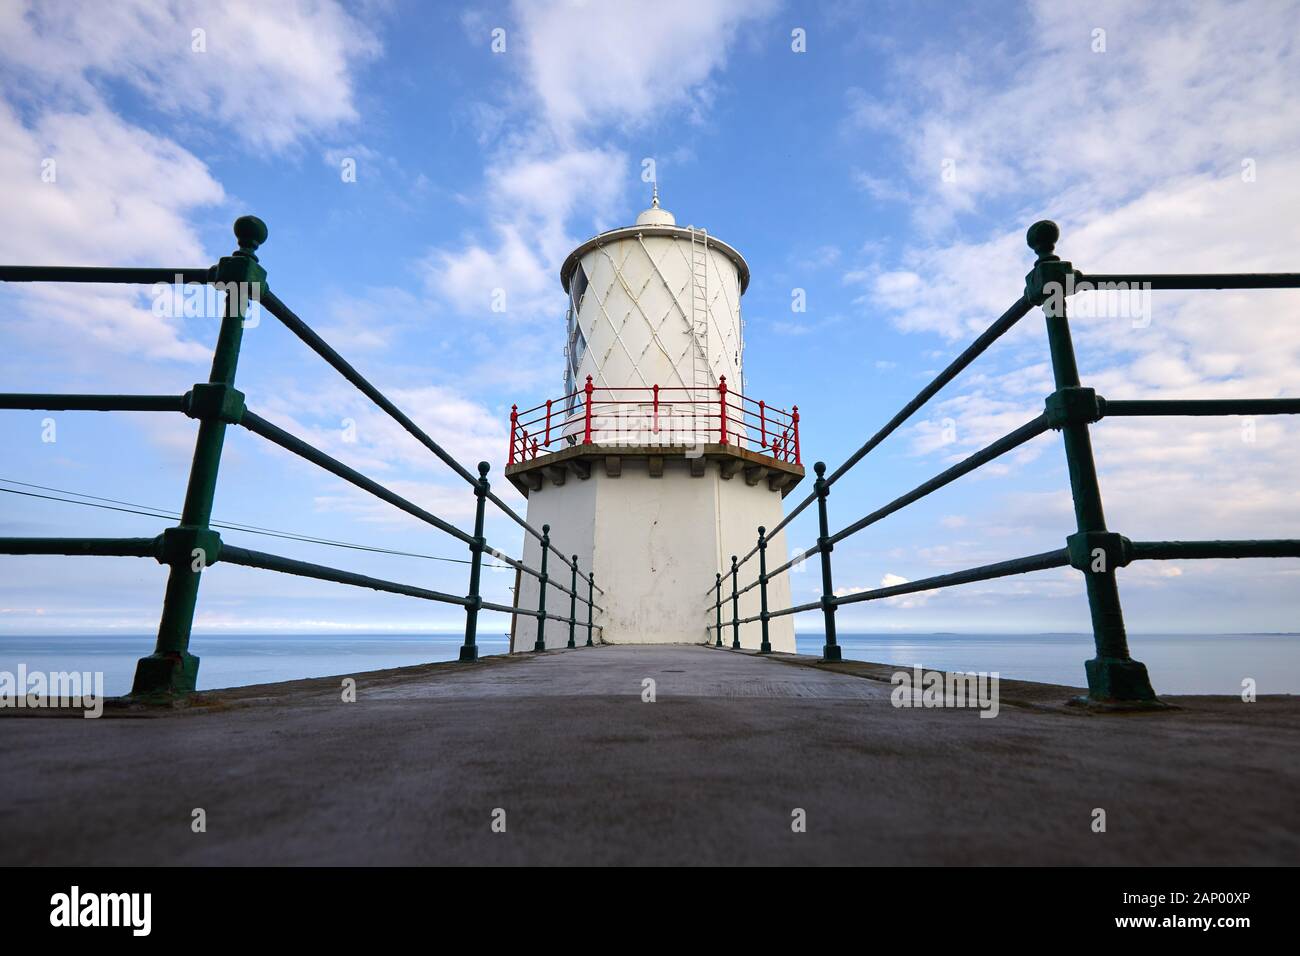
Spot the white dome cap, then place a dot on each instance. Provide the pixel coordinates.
(655, 216)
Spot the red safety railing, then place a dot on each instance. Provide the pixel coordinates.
(649, 415)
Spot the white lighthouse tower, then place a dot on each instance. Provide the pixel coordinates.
(654, 467)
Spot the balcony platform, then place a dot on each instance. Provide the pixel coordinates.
(578, 460)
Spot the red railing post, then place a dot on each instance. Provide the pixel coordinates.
(514, 425)
(547, 443)
(588, 389)
(762, 423)
(534, 448)
(523, 449)
(795, 418)
(722, 408)
(656, 410)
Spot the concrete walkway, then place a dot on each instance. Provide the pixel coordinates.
(711, 772)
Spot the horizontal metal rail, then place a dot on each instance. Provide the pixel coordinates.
(1070, 409)
(798, 559)
(800, 609)
(1139, 550)
(1000, 327)
(510, 513)
(273, 433)
(171, 669)
(520, 566)
(810, 606)
(1201, 406)
(550, 578)
(148, 511)
(274, 562)
(111, 274)
(298, 327)
(987, 572)
(781, 525)
(1123, 407)
(107, 547)
(973, 351)
(1223, 280)
(313, 340)
(1195, 550)
(1007, 443)
(508, 609)
(93, 403)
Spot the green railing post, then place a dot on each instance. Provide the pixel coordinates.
(766, 646)
(1112, 674)
(190, 546)
(573, 601)
(540, 643)
(831, 649)
(735, 606)
(474, 600)
(718, 608)
(591, 603)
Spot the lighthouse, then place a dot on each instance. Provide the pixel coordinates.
(653, 465)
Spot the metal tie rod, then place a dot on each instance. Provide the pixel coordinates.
(1000, 327)
(273, 433)
(322, 348)
(273, 562)
(985, 455)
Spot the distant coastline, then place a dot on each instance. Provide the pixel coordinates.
(1184, 663)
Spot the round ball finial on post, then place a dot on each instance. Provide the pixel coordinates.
(483, 468)
(820, 468)
(1042, 237)
(251, 232)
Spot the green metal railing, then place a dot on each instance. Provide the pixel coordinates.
(192, 545)
(1093, 550)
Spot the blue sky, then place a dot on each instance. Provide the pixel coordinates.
(889, 170)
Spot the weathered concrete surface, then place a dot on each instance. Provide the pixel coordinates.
(709, 773)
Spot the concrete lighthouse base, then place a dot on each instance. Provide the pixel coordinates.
(656, 527)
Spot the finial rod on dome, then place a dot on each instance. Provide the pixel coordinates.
(654, 195)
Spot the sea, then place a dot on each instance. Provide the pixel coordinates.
(1178, 663)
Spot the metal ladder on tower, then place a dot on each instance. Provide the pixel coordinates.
(701, 394)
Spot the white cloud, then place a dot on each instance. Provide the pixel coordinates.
(901, 601)
(84, 186)
(118, 196)
(1181, 87)
(587, 66)
(624, 63)
(370, 320)
(879, 188)
(1137, 154)
(271, 73)
(529, 201)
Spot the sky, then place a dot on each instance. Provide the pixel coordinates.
(878, 161)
